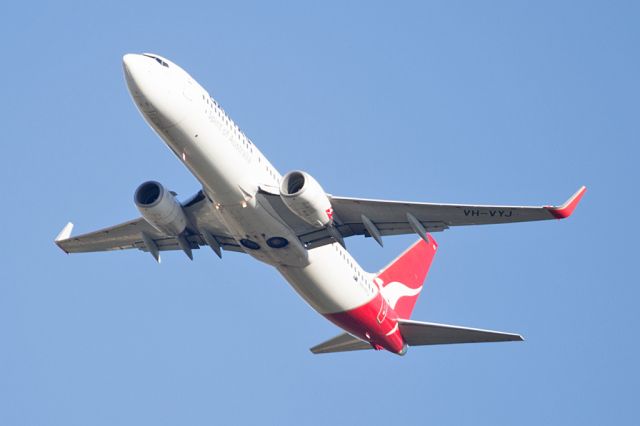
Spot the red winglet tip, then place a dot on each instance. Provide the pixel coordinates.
(569, 206)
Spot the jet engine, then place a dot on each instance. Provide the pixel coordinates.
(304, 196)
(160, 208)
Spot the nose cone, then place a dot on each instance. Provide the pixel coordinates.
(132, 62)
(155, 88)
(137, 70)
(128, 60)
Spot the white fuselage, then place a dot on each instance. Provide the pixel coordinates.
(231, 170)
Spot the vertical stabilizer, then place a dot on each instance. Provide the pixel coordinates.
(403, 278)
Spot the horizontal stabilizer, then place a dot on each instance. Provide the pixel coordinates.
(341, 343)
(416, 333)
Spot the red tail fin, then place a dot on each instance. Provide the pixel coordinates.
(402, 279)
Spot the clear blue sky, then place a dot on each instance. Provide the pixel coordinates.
(479, 102)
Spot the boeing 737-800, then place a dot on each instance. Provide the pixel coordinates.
(289, 222)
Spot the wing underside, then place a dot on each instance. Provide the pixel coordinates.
(378, 218)
(131, 234)
(352, 216)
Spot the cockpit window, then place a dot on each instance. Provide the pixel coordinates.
(158, 60)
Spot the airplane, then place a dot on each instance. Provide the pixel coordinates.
(289, 222)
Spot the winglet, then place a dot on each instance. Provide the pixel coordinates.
(569, 206)
(64, 235)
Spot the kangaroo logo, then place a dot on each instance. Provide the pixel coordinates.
(393, 291)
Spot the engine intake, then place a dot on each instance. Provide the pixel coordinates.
(160, 208)
(304, 196)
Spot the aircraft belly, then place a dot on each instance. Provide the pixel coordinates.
(226, 175)
(217, 154)
(250, 223)
(325, 284)
(228, 178)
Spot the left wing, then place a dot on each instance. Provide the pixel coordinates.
(377, 218)
(138, 233)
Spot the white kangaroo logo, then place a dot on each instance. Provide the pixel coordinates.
(393, 291)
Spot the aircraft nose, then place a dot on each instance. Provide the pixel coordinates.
(155, 87)
(135, 68)
(131, 60)
(128, 59)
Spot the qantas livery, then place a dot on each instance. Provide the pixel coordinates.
(289, 222)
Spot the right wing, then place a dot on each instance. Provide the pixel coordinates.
(131, 234)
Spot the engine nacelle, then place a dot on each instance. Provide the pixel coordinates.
(304, 196)
(160, 208)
